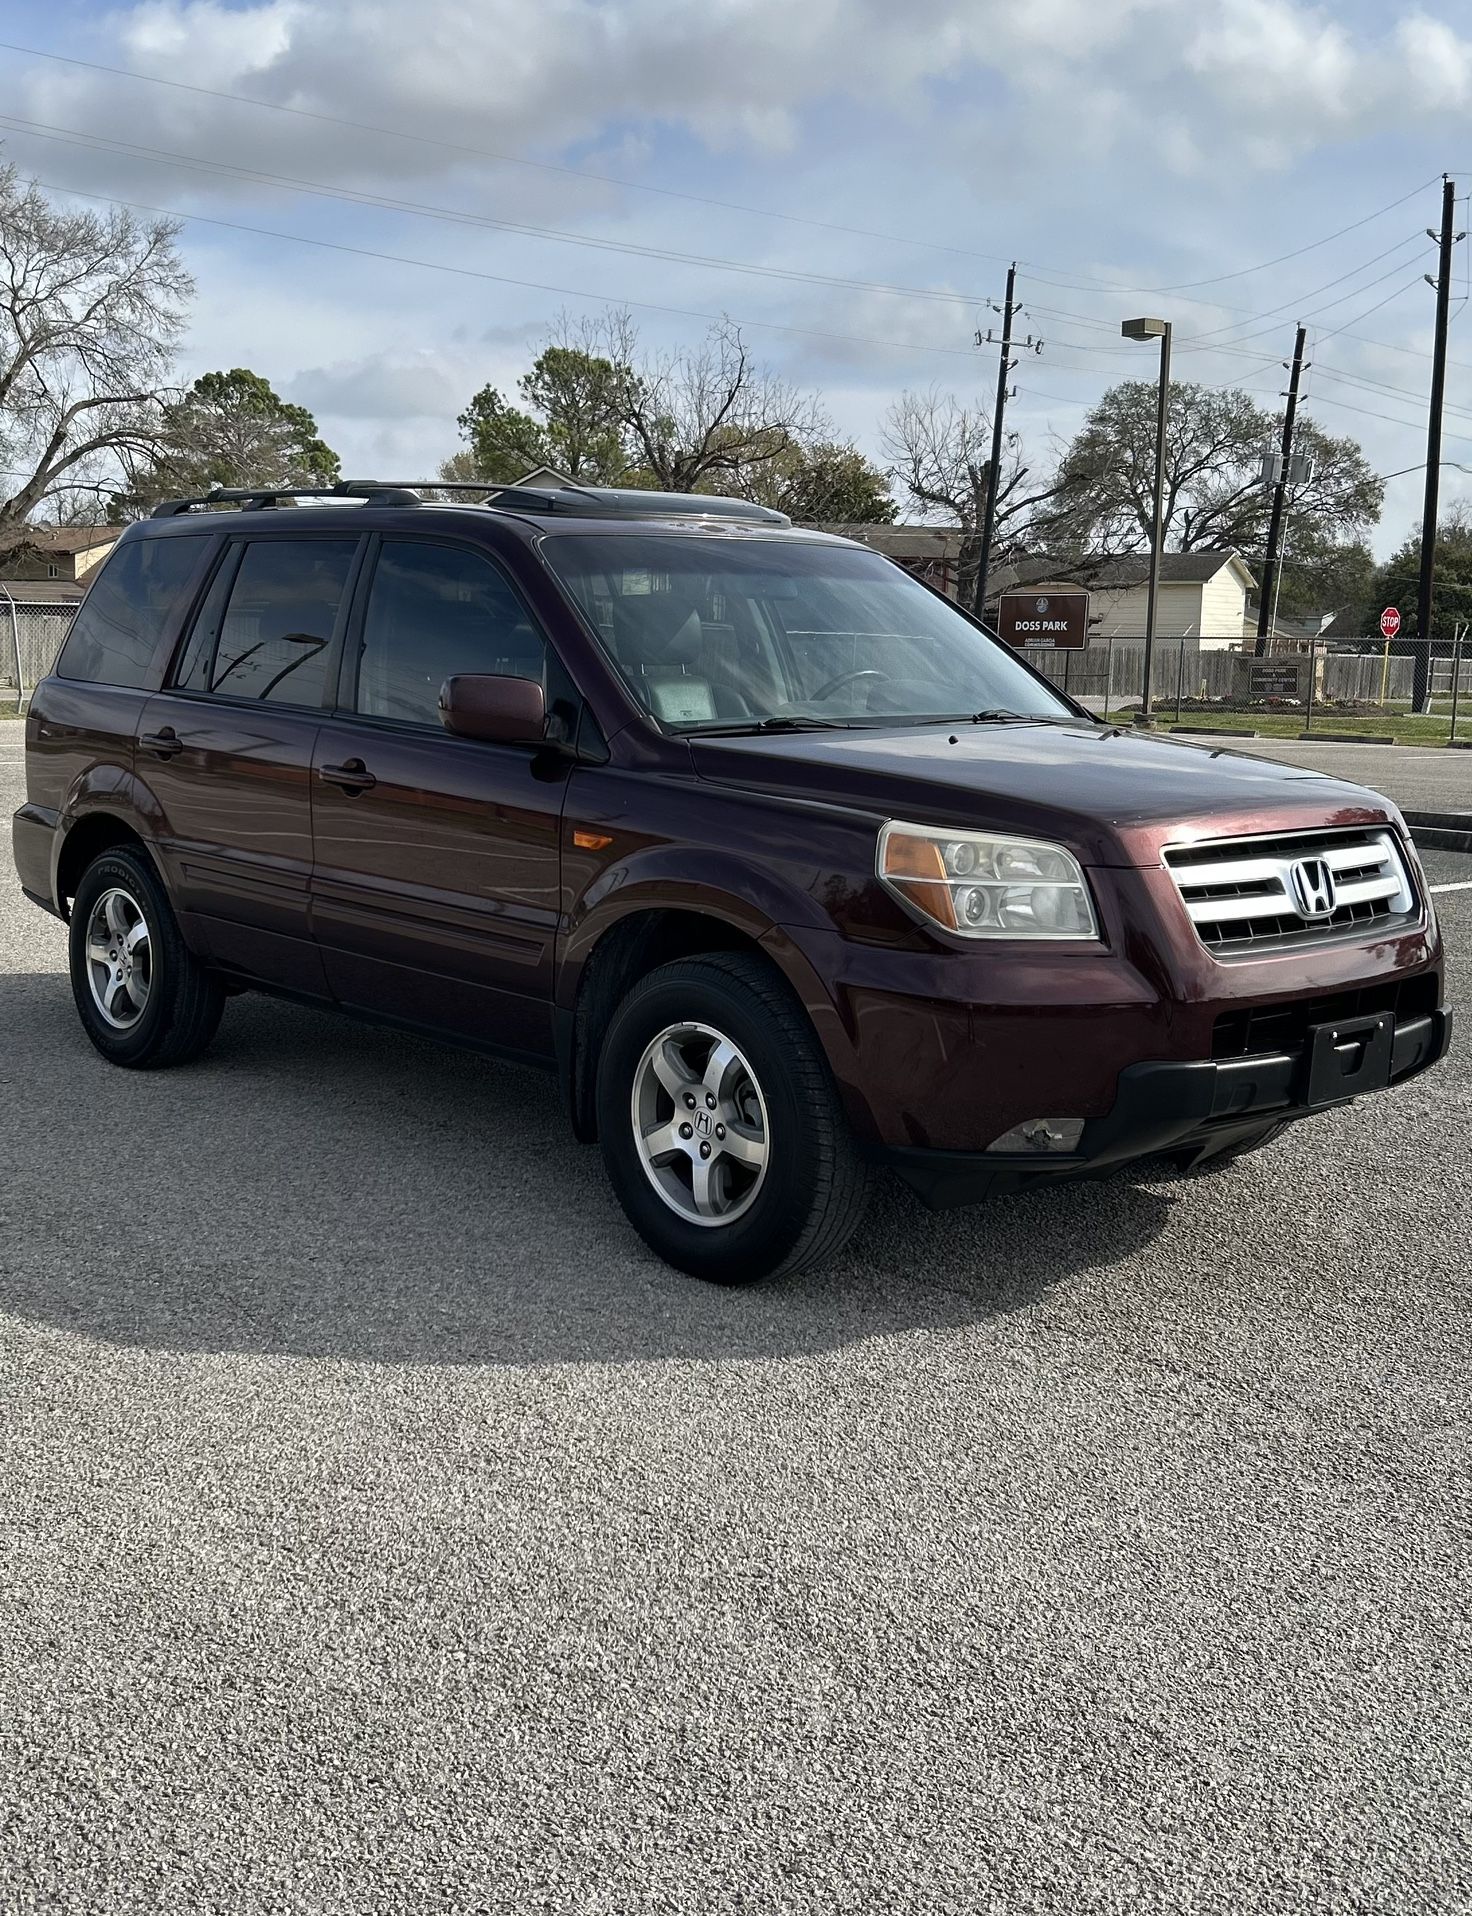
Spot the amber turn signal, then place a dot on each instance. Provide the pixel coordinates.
(591, 841)
(915, 867)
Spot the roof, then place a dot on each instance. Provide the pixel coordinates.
(36, 538)
(901, 541)
(1121, 574)
(38, 592)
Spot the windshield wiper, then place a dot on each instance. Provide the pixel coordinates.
(781, 722)
(1025, 718)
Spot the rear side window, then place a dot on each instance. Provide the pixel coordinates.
(137, 593)
(265, 628)
(434, 611)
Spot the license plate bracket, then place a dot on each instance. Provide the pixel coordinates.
(1349, 1057)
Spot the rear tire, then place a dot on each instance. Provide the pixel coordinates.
(144, 999)
(720, 1125)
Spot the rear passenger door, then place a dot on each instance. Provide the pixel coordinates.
(435, 886)
(226, 750)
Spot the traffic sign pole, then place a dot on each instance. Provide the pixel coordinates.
(1389, 626)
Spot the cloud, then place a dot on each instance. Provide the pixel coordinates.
(381, 387)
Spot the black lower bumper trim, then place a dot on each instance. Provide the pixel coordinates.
(1162, 1106)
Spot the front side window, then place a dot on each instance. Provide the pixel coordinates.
(721, 629)
(135, 596)
(265, 629)
(434, 611)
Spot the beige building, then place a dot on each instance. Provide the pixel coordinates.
(1202, 595)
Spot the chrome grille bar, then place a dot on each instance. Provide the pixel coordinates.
(1245, 896)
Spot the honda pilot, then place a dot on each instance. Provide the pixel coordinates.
(785, 867)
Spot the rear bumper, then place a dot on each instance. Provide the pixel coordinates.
(1161, 1107)
(33, 840)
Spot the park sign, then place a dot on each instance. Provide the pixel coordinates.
(1046, 615)
(1390, 622)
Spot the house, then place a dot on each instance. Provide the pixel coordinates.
(932, 553)
(54, 564)
(1202, 595)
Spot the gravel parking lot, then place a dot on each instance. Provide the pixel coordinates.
(385, 1531)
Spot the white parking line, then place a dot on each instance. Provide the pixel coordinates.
(1465, 885)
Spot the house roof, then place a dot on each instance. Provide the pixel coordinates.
(34, 538)
(1119, 575)
(39, 592)
(901, 542)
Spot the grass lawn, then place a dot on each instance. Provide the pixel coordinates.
(1406, 728)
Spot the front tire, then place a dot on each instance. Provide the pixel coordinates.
(720, 1124)
(144, 999)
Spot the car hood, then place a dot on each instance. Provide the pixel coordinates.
(1114, 797)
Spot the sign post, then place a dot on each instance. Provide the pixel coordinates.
(1389, 626)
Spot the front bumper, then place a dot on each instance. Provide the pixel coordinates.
(1196, 1109)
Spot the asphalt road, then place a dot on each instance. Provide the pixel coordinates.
(1418, 777)
(381, 1529)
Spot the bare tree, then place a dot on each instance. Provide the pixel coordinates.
(942, 454)
(90, 308)
(710, 419)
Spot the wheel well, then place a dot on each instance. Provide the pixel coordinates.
(626, 953)
(86, 840)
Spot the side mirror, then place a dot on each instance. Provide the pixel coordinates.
(505, 711)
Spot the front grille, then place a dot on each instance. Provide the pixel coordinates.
(1248, 896)
(1256, 1030)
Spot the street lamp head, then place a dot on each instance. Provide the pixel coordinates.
(1145, 328)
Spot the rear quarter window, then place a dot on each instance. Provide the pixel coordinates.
(115, 636)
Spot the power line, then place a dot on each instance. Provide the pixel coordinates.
(489, 153)
(499, 279)
(674, 193)
(70, 136)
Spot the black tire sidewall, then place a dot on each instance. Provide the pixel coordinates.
(756, 1242)
(131, 873)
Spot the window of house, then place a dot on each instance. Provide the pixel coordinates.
(434, 611)
(265, 628)
(135, 596)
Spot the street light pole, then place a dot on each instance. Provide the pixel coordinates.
(1154, 329)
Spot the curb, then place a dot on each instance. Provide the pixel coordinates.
(1441, 831)
(1211, 731)
(1348, 738)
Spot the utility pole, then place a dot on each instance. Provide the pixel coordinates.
(1421, 693)
(1267, 588)
(1005, 364)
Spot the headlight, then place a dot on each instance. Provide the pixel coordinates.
(979, 886)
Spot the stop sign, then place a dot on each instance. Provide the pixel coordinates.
(1390, 621)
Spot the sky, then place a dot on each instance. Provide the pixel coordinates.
(387, 205)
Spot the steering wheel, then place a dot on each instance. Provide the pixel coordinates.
(849, 678)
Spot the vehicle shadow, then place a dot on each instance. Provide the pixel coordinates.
(320, 1188)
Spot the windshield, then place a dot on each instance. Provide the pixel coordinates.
(717, 632)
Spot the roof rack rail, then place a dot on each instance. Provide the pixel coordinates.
(373, 492)
(634, 502)
(586, 502)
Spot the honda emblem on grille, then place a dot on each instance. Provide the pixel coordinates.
(1313, 888)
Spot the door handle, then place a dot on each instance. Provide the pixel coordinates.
(164, 744)
(353, 776)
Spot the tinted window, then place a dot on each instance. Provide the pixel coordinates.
(434, 611)
(139, 589)
(266, 633)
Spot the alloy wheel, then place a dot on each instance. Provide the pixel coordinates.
(700, 1124)
(119, 958)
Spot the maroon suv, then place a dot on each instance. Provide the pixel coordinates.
(783, 865)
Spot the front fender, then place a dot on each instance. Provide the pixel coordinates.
(734, 891)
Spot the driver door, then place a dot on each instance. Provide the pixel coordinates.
(435, 884)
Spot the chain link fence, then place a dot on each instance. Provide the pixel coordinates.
(31, 638)
(1318, 689)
